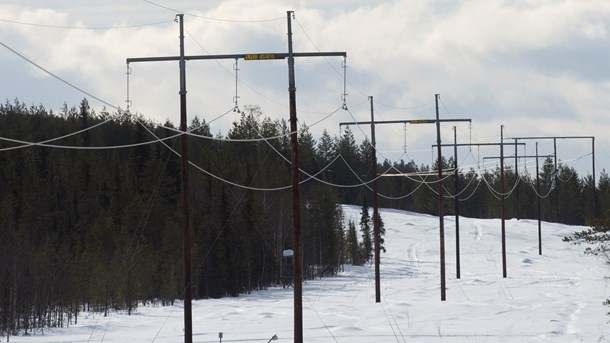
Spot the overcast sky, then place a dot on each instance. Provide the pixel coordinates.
(537, 67)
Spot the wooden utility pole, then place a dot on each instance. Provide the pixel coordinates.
(538, 196)
(456, 178)
(296, 228)
(518, 183)
(376, 218)
(296, 204)
(595, 208)
(502, 197)
(441, 221)
(186, 231)
(556, 182)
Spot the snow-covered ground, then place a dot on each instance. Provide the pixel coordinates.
(556, 297)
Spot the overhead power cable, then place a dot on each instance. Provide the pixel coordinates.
(45, 144)
(214, 19)
(474, 191)
(244, 140)
(362, 183)
(65, 27)
(309, 176)
(218, 177)
(59, 78)
(414, 107)
(464, 189)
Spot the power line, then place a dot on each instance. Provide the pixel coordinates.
(310, 176)
(65, 27)
(214, 19)
(59, 78)
(26, 144)
(244, 140)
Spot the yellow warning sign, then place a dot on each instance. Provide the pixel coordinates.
(259, 57)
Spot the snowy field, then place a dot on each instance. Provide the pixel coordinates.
(556, 297)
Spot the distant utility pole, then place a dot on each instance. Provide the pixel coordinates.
(518, 183)
(456, 202)
(555, 138)
(441, 208)
(296, 228)
(436, 121)
(502, 197)
(538, 204)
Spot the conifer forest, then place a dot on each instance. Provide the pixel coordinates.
(90, 216)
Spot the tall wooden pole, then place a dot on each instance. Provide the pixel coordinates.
(376, 228)
(440, 201)
(502, 196)
(518, 184)
(595, 209)
(538, 197)
(294, 175)
(186, 232)
(556, 182)
(457, 204)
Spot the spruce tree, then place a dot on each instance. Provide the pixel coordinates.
(365, 230)
(381, 233)
(353, 252)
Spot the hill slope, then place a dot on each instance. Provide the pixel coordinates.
(556, 297)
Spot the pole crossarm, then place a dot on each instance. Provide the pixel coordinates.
(523, 156)
(554, 137)
(247, 57)
(408, 121)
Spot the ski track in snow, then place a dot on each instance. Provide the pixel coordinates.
(556, 297)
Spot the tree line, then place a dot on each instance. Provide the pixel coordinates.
(89, 229)
(99, 229)
(565, 196)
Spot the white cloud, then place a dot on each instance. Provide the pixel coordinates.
(594, 31)
(498, 62)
